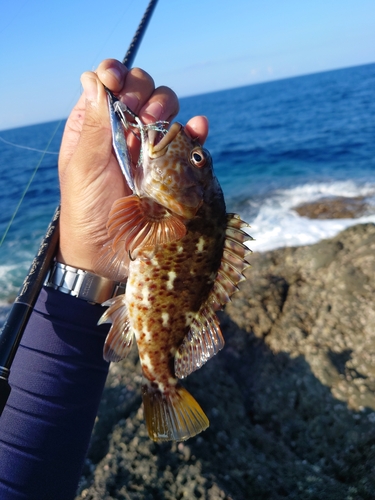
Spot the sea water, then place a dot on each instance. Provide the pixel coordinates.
(274, 145)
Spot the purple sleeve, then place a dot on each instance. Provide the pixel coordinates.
(57, 379)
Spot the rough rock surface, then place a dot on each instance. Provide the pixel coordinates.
(290, 398)
(337, 207)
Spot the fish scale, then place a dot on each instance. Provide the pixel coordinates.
(181, 298)
(185, 256)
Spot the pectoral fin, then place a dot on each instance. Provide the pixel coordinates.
(135, 223)
(113, 264)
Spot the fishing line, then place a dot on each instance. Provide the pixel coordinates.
(15, 16)
(114, 27)
(44, 152)
(29, 183)
(30, 149)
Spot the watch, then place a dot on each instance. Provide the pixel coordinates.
(82, 284)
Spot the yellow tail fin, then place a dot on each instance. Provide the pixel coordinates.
(172, 416)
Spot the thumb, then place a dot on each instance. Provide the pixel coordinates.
(95, 143)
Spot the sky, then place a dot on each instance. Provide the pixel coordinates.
(193, 46)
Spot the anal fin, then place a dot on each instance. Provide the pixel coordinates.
(173, 415)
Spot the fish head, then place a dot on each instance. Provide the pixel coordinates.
(176, 171)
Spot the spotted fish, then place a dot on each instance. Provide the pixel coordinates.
(184, 256)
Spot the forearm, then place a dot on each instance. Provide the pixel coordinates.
(57, 380)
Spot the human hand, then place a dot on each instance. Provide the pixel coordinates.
(90, 177)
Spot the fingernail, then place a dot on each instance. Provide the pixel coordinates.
(154, 111)
(90, 86)
(131, 100)
(118, 71)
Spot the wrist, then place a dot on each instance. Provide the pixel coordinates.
(74, 260)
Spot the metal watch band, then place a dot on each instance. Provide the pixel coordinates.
(82, 284)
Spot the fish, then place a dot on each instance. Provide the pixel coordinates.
(184, 257)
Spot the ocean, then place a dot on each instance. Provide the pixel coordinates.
(274, 145)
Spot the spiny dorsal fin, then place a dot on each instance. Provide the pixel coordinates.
(120, 337)
(233, 262)
(135, 223)
(204, 338)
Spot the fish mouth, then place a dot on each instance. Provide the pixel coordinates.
(158, 143)
(172, 183)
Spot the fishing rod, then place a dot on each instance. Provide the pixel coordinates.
(15, 324)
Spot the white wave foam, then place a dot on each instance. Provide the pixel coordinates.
(277, 224)
(312, 192)
(4, 310)
(11, 277)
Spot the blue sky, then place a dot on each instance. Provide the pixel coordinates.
(193, 46)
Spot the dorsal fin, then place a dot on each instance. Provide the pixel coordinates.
(204, 338)
(233, 262)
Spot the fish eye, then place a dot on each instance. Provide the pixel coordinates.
(198, 158)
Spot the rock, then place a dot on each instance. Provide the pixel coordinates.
(338, 207)
(290, 398)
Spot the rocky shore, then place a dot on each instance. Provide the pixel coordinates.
(290, 398)
(336, 207)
